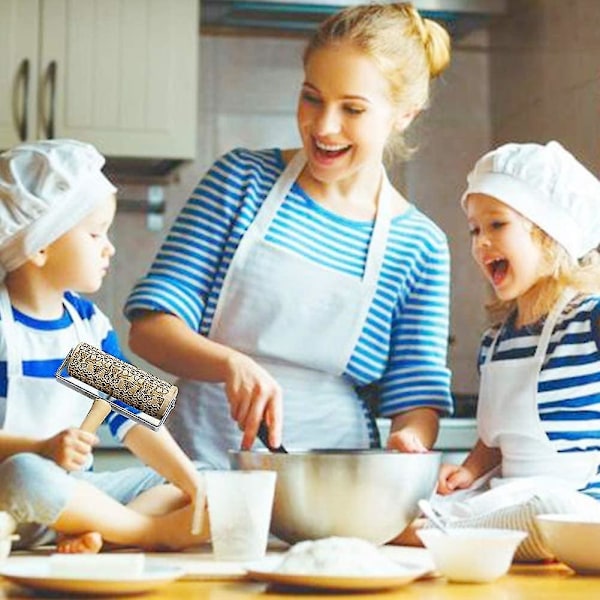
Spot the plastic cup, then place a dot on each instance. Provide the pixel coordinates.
(240, 504)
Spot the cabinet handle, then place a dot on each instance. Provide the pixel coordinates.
(50, 82)
(23, 76)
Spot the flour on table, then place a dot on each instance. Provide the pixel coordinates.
(338, 556)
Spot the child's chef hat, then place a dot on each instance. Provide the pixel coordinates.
(548, 186)
(46, 188)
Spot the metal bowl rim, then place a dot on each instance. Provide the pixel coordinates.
(335, 452)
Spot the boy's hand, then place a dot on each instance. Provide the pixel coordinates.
(69, 449)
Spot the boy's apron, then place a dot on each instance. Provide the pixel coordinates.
(508, 418)
(301, 322)
(36, 406)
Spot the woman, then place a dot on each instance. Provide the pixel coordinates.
(292, 280)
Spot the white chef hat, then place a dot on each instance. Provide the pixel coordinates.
(46, 188)
(548, 186)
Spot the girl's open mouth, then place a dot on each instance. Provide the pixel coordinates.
(498, 269)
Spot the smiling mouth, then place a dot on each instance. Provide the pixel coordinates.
(330, 151)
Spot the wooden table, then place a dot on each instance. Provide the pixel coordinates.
(547, 582)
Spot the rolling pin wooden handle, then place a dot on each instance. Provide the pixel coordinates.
(95, 416)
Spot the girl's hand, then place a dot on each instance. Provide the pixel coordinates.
(453, 477)
(70, 448)
(253, 395)
(406, 440)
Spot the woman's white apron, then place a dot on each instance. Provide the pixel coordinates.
(301, 322)
(508, 418)
(35, 406)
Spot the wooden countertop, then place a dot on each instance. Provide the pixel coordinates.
(548, 582)
(554, 582)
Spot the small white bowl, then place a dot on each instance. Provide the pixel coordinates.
(573, 539)
(470, 554)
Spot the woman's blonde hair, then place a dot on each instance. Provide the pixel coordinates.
(564, 272)
(408, 49)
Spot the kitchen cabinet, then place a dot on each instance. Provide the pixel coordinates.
(121, 74)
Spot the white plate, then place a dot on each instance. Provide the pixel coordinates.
(268, 573)
(36, 574)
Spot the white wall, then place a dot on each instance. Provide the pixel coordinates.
(545, 73)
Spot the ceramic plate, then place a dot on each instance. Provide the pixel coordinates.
(267, 573)
(37, 574)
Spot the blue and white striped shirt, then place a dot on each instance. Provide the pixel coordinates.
(569, 382)
(403, 344)
(46, 343)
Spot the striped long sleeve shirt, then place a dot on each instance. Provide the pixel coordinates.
(47, 342)
(403, 344)
(568, 398)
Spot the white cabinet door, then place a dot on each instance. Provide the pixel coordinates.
(123, 74)
(19, 23)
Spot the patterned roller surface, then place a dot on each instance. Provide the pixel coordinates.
(122, 381)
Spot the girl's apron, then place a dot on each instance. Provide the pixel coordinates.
(300, 321)
(35, 406)
(508, 418)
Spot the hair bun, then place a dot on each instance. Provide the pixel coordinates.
(437, 46)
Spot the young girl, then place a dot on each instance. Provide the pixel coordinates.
(55, 212)
(534, 216)
(292, 279)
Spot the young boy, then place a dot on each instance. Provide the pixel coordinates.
(56, 208)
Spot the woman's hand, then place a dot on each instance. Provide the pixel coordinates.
(414, 430)
(253, 395)
(454, 477)
(70, 448)
(406, 440)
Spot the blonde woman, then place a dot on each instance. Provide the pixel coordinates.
(294, 279)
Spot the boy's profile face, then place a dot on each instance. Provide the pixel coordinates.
(79, 259)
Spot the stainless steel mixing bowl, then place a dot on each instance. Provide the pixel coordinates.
(369, 494)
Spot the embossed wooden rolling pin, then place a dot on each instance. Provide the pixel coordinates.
(130, 391)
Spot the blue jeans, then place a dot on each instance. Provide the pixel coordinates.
(35, 491)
